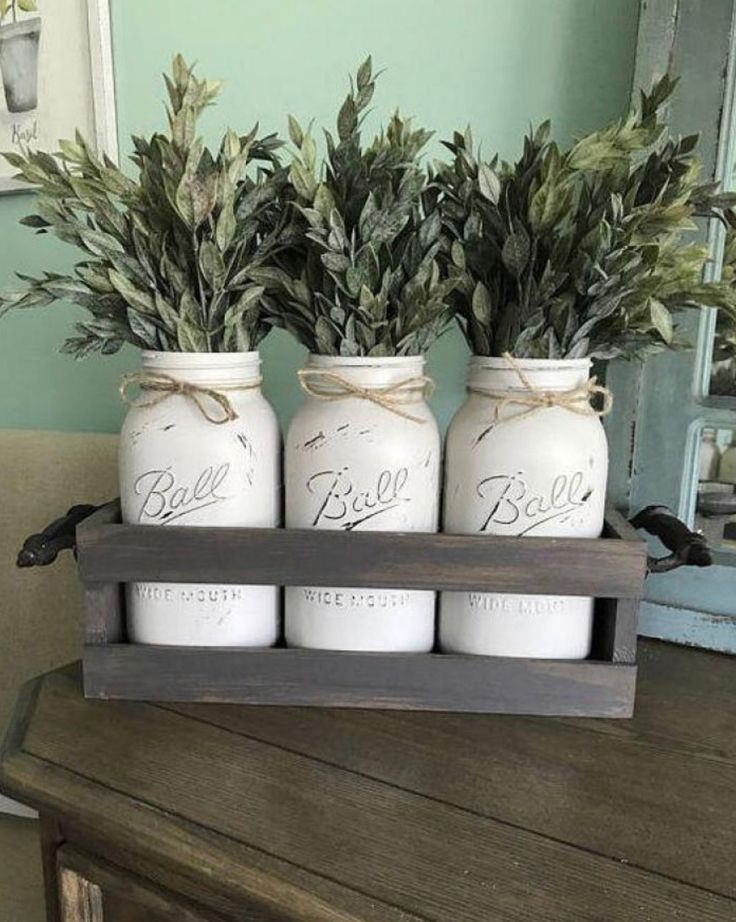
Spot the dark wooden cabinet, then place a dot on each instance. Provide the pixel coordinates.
(90, 890)
(268, 814)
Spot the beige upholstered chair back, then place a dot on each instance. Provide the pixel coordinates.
(42, 474)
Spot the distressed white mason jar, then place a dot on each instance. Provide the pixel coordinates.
(533, 471)
(179, 468)
(352, 464)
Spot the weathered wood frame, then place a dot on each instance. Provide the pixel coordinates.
(665, 400)
(611, 568)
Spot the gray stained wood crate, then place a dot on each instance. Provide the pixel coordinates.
(611, 568)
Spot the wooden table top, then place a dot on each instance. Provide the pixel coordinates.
(368, 815)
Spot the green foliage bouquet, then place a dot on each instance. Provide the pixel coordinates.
(366, 281)
(174, 259)
(580, 252)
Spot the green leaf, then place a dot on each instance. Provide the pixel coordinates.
(488, 183)
(384, 226)
(458, 254)
(481, 304)
(95, 278)
(304, 182)
(143, 328)
(231, 146)
(69, 289)
(515, 252)
(34, 220)
(13, 158)
(72, 152)
(195, 198)
(324, 201)
(661, 319)
(166, 312)
(138, 299)
(247, 301)
(226, 227)
(369, 267)
(99, 243)
(546, 206)
(309, 153)
(212, 265)
(189, 310)
(364, 73)
(364, 96)
(324, 336)
(271, 277)
(335, 262)
(295, 131)
(429, 230)
(190, 337)
(347, 119)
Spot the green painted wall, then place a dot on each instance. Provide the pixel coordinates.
(498, 64)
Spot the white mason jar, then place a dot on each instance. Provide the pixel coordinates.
(354, 464)
(512, 468)
(177, 467)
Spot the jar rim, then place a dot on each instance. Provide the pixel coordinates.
(364, 361)
(185, 360)
(498, 363)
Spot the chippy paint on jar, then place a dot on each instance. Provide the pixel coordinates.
(539, 473)
(177, 468)
(351, 465)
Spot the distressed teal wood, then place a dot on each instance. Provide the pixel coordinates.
(662, 404)
(688, 626)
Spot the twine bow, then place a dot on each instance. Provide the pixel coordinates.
(328, 385)
(533, 398)
(164, 386)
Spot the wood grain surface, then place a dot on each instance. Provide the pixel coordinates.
(432, 682)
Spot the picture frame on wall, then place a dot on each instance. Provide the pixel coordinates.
(56, 76)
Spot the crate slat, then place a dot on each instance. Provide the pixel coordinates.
(602, 567)
(432, 682)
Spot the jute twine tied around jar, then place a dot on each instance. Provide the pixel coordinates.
(164, 386)
(328, 385)
(577, 400)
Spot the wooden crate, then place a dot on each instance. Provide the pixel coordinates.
(611, 568)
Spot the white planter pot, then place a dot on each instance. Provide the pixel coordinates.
(353, 464)
(178, 468)
(533, 472)
(19, 63)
